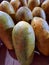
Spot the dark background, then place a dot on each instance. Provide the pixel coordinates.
(8, 58)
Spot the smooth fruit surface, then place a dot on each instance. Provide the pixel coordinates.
(6, 26)
(33, 3)
(39, 12)
(23, 41)
(5, 6)
(24, 14)
(41, 30)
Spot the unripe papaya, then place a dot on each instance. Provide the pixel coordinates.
(24, 42)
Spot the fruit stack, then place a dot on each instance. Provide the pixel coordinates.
(24, 25)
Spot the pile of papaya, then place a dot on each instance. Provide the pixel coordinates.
(24, 26)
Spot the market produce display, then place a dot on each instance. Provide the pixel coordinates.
(24, 26)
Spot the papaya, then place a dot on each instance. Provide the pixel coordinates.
(24, 14)
(16, 4)
(41, 29)
(24, 42)
(39, 12)
(6, 27)
(33, 3)
(5, 6)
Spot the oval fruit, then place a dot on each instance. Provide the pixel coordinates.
(33, 3)
(16, 4)
(24, 42)
(5, 6)
(24, 14)
(45, 6)
(41, 30)
(6, 27)
(39, 12)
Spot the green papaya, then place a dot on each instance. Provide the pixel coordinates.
(24, 42)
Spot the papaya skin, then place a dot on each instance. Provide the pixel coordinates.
(24, 14)
(39, 12)
(33, 3)
(45, 6)
(6, 27)
(5, 38)
(16, 4)
(24, 42)
(41, 30)
(7, 7)
(24, 2)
